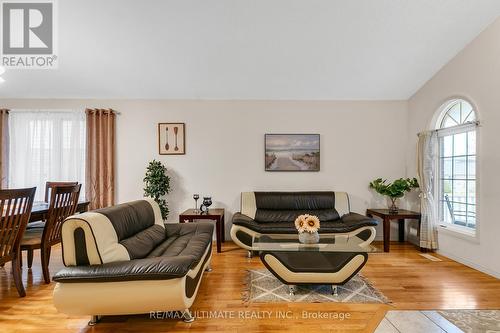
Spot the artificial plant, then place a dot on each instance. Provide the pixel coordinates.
(157, 185)
(394, 190)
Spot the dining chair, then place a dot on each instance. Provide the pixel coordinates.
(63, 202)
(15, 210)
(49, 186)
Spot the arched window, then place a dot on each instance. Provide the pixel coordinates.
(457, 112)
(457, 176)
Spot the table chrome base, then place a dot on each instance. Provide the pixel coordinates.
(188, 316)
(94, 320)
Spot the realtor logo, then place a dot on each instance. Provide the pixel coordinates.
(28, 34)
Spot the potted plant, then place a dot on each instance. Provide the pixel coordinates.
(394, 190)
(157, 185)
(307, 226)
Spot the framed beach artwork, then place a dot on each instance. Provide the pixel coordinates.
(292, 152)
(171, 138)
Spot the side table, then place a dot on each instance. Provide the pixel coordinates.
(387, 217)
(216, 214)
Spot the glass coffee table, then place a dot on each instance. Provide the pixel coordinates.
(333, 261)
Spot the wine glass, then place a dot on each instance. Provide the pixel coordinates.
(196, 197)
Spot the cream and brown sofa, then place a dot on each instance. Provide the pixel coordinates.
(275, 212)
(124, 260)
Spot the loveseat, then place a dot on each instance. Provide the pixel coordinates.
(124, 260)
(275, 213)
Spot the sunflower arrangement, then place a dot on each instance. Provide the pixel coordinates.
(307, 223)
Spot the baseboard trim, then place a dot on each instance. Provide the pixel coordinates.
(470, 264)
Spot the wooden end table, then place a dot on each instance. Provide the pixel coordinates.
(216, 214)
(387, 217)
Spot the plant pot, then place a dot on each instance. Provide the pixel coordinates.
(393, 207)
(309, 237)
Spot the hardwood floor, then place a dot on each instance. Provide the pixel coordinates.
(403, 275)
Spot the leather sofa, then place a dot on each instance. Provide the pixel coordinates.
(275, 213)
(124, 260)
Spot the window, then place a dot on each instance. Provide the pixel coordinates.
(46, 146)
(457, 165)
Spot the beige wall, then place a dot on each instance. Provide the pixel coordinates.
(225, 146)
(474, 74)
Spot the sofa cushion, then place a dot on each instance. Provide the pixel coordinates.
(129, 218)
(267, 215)
(158, 268)
(347, 223)
(141, 244)
(185, 239)
(295, 200)
(286, 206)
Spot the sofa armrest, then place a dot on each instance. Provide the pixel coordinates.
(238, 217)
(358, 219)
(158, 268)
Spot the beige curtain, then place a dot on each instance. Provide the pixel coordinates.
(426, 169)
(4, 148)
(100, 161)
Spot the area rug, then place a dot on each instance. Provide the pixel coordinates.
(474, 321)
(262, 287)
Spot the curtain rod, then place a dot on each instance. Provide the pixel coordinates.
(112, 110)
(52, 110)
(469, 123)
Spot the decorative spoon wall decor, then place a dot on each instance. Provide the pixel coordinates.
(171, 138)
(175, 132)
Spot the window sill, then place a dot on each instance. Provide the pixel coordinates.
(458, 232)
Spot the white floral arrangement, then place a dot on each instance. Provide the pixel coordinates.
(307, 223)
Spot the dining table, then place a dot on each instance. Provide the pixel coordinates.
(40, 209)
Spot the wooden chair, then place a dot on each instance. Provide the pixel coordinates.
(49, 186)
(63, 202)
(15, 210)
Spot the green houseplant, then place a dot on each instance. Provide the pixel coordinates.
(157, 185)
(394, 190)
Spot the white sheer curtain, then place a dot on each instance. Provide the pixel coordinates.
(46, 146)
(426, 170)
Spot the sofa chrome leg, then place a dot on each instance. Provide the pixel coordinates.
(94, 320)
(249, 254)
(208, 268)
(335, 291)
(188, 316)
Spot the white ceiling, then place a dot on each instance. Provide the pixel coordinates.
(252, 49)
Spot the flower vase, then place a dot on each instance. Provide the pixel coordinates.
(393, 208)
(309, 237)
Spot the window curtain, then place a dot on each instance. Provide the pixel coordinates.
(4, 148)
(100, 167)
(426, 167)
(46, 146)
